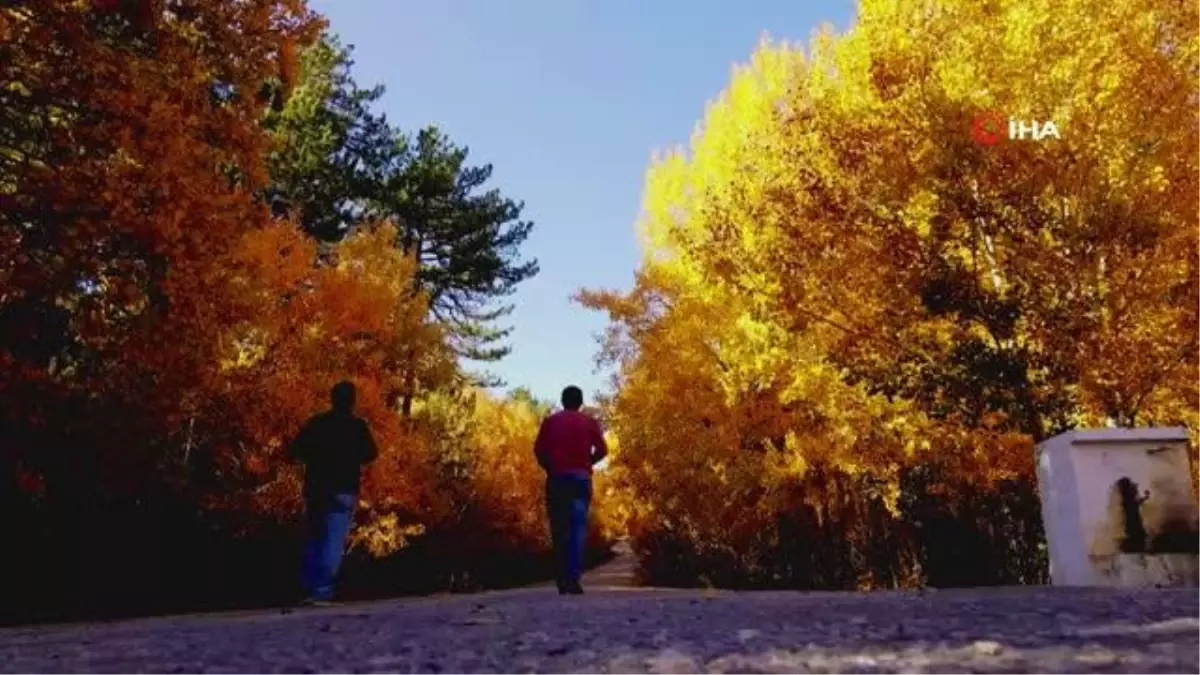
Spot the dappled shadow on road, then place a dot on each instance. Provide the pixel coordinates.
(206, 575)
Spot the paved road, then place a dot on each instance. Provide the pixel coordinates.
(620, 572)
(637, 630)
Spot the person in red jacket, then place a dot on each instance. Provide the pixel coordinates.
(568, 444)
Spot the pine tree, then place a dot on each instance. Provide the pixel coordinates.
(338, 164)
(467, 242)
(329, 143)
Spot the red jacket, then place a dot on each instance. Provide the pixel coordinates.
(569, 443)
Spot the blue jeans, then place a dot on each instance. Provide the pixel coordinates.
(329, 520)
(567, 501)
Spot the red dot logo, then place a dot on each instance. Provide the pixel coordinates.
(988, 127)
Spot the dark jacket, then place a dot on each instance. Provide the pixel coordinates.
(333, 447)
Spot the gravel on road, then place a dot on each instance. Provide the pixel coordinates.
(1029, 629)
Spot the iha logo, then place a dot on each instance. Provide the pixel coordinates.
(989, 128)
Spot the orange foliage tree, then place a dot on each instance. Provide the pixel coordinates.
(308, 326)
(127, 188)
(164, 335)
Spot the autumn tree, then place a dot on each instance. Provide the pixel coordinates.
(983, 276)
(1019, 254)
(525, 395)
(848, 277)
(130, 157)
(339, 163)
(125, 189)
(180, 285)
(309, 327)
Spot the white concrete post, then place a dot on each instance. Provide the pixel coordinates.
(1118, 507)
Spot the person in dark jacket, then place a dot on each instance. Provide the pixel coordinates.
(568, 444)
(333, 446)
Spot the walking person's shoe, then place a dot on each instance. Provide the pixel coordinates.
(572, 588)
(319, 602)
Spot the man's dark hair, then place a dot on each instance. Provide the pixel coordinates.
(342, 396)
(572, 398)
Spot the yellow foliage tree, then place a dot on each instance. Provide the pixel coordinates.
(840, 274)
(507, 479)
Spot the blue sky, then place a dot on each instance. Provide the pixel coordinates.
(568, 100)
